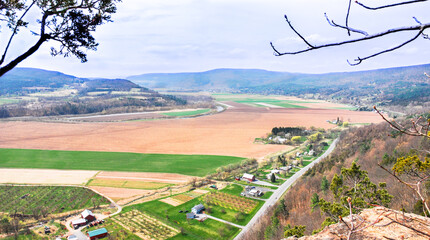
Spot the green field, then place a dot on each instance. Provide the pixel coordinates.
(186, 113)
(49, 199)
(8, 101)
(254, 101)
(194, 165)
(209, 229)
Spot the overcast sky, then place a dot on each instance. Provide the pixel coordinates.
(199, 35)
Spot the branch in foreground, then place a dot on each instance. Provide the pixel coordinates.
(389, 5)
(420, 28)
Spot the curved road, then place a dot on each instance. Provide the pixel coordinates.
(282, 189)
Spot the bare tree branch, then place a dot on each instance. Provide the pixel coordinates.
(298, 34)
(347, 17)
(358, 60)
(389, 5)
(333, 24)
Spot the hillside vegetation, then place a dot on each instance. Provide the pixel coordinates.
(367, 146)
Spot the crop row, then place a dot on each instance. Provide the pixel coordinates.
(46, 199)
(230, 201)
(140, 222)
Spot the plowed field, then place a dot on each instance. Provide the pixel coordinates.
(231, 132)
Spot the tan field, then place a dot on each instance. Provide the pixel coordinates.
(45, 176)
(231, 132)
(172, 178)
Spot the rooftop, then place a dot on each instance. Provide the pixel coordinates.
(97, 232)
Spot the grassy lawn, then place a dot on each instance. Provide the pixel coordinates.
(194, 165)
(127, 184)
(193, 229)
(56, 199)
(266, 195)
(305, 163)
(233, 189)
(234, 216)
(186, 113)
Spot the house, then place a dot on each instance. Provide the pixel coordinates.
(248, 177)
(198, 209)
(78, 222)
(97, 234)
(191, 215)
(88, 215)
(287, 168)
(255, 193)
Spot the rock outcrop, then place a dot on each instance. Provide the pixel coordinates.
(376, 223)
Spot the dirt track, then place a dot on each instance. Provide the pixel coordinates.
(231, 132)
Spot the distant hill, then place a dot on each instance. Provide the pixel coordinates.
(25, 80)
(386, 86)
(213, 79)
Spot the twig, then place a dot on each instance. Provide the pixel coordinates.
(389, 5)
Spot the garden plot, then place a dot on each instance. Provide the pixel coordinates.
(229, 201)
(144, 226)
(182, 198)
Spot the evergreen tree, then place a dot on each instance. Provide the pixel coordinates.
(324, 184)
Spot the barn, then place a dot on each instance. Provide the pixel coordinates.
(88, 215)
(248, 177)
(97, 234)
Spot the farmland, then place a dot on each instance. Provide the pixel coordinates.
(145, 226)
(229, 201)
(195, 165)
(44, 200)
(186, 113)
(209, 229)
(127, 184)
(230, 132)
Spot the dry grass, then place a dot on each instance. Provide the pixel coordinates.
(127, 184)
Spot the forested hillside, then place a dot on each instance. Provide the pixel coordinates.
(367, 146)
(399, 87)
(37, 92)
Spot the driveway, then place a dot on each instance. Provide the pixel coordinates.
(80, 235)
(219, 220)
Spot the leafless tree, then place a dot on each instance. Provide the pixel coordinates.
(418, 29)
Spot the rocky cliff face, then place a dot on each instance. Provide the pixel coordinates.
(376, 223)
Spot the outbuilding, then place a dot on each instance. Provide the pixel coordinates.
(88, 215)
(78, 222)
(248, 177)
(97, 234)
(198, 209)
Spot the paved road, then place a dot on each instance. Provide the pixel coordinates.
(283, 188)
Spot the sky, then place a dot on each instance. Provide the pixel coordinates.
(150, 36)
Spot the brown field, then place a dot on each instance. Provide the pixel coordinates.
(108, 182)
(231, 132)
(121, 195)
(145, 177)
